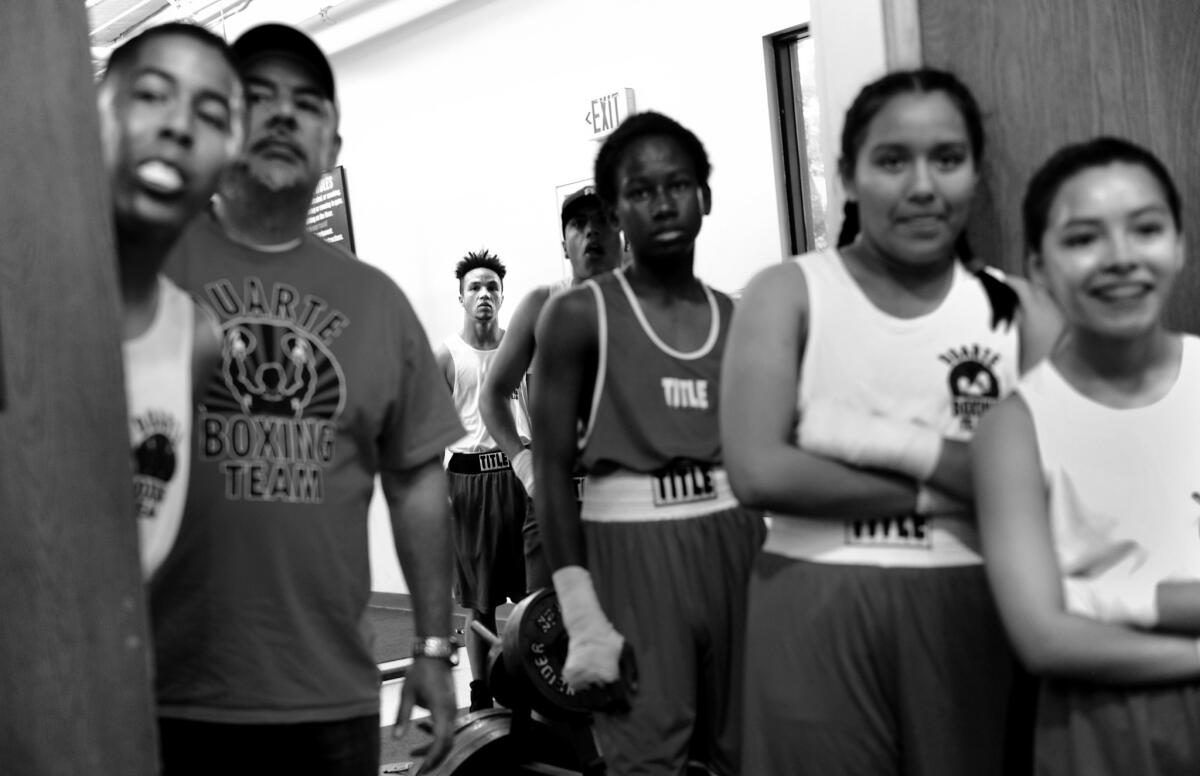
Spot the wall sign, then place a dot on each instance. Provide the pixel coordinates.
(329, 214)
(608, 110)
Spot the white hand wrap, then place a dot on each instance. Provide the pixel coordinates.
(855, 437)
(522, 464)
(1125, 600)
(593, 646)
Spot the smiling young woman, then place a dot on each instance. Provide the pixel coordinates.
(1086, 476)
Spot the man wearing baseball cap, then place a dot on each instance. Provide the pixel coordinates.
(326, 381)
(592, 244)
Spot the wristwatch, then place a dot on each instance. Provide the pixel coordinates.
(436, 647)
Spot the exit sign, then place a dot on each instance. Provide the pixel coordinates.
(607, 111)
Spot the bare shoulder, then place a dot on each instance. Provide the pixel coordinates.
(782, 278)
(1040, 321)
(568, 319)
(1009, 420)
(441, 352)
(577, 299)
(444, 360)
(525, 317)
(778, 292)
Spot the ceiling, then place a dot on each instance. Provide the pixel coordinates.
(111, 22)
(335, 24)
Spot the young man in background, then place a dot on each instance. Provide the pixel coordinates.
(487, 499)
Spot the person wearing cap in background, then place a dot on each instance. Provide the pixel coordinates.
(171, 112)
(263, 663)
(592, 245)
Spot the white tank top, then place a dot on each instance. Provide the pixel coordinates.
(1123, 484)
(470, 369)
(943, 369)
(158, 390)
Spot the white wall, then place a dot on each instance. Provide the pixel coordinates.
(459, 124)
(458, 127)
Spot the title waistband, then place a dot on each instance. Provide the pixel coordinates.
(478, 463)
(914, 539)
(681, 492)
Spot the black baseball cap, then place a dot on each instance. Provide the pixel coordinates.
(287, 41)
(583, 199)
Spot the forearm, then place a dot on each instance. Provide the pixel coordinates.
(1026, 578)
(562, 531)
(558, 515)
(877, 442)
(1179, 607)
(789, 480)
(497, 415)
(1101, 653)
(420, 519)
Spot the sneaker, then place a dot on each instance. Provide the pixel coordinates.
(481, 698)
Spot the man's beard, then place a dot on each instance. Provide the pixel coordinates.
(272, 177)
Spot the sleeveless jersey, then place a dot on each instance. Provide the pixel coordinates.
(158, 391)
(942, 370)
(1122, 483)
(652, 405)
(470, 369)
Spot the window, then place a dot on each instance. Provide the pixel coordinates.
(800, 139)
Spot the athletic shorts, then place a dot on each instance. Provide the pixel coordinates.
(488, 506)
(676, 590)
(1115, 731)
(854, 669)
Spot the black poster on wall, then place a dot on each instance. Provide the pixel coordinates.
(329, 214)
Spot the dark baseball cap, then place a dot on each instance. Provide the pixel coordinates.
(281, 39)
(583, 199)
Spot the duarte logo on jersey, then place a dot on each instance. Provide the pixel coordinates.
(972, 382)
(270, 414)
(156, 436)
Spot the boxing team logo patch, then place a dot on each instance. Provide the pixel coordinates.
(270, 414)
(156, 435)
(972, 381)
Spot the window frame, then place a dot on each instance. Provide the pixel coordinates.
(797, 183)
